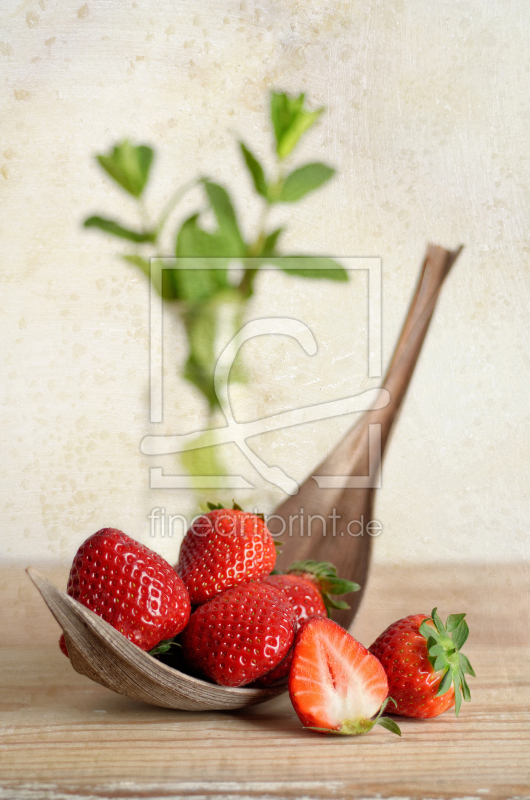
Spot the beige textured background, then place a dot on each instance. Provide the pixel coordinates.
(428, 113)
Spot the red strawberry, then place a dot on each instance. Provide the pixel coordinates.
(309, 586)
(335, 685)
(304, 595)
(423, 663)
(279, 673)
(240, 634)
(224, 548)
(62, 645)
(129, 586)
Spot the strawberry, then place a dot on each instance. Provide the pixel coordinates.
(309, 586)
(304, 595)
(240, 634)
(62, 645)
(335, 685)
(223, 548)
(423, 663)
(129, 586)
(279, 673)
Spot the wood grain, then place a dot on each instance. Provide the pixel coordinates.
(63, 736)
(63, 730)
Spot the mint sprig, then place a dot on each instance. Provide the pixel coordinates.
(201, 287)
(444, 643)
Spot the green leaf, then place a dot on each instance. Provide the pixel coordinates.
(200, 273)
(460, 635)
(453, 621)
(270, 242)
(195, 283)
(440, 662)
(290, 120)
(437, 649)
(204, 256)
(315, 267)
(194, 242)
(428, 631)
(163, 647)
(129, 166)
(338, 585)
(215, 506)
(438, 622)
(304, 180)
(389, 724)
(465, 688)
(466, 666)
(201, 328)
(445, 683)
(458, 699)
(256, 171)
(323, 730)
(110, 226)
(325, 574)
(330, 602)
(226, 219)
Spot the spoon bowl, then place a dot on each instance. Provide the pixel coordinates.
(343, 484)
(100, 652)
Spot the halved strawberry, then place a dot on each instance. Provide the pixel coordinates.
(335, 684)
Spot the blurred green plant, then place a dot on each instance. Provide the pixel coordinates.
(199, 293)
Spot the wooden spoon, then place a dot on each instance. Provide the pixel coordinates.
(100, 652)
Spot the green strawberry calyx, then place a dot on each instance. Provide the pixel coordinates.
(235, 507)
(163, 647)
(360, 726)
(329, 583)
(444, 643)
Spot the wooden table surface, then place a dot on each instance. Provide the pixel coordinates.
(63, 736)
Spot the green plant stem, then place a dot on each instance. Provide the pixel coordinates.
(246, 286)
(255, 249)
(172, 202)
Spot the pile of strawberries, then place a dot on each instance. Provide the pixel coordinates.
(238, 623)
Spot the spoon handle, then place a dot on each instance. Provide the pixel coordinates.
(339, 489)
(435, 269)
